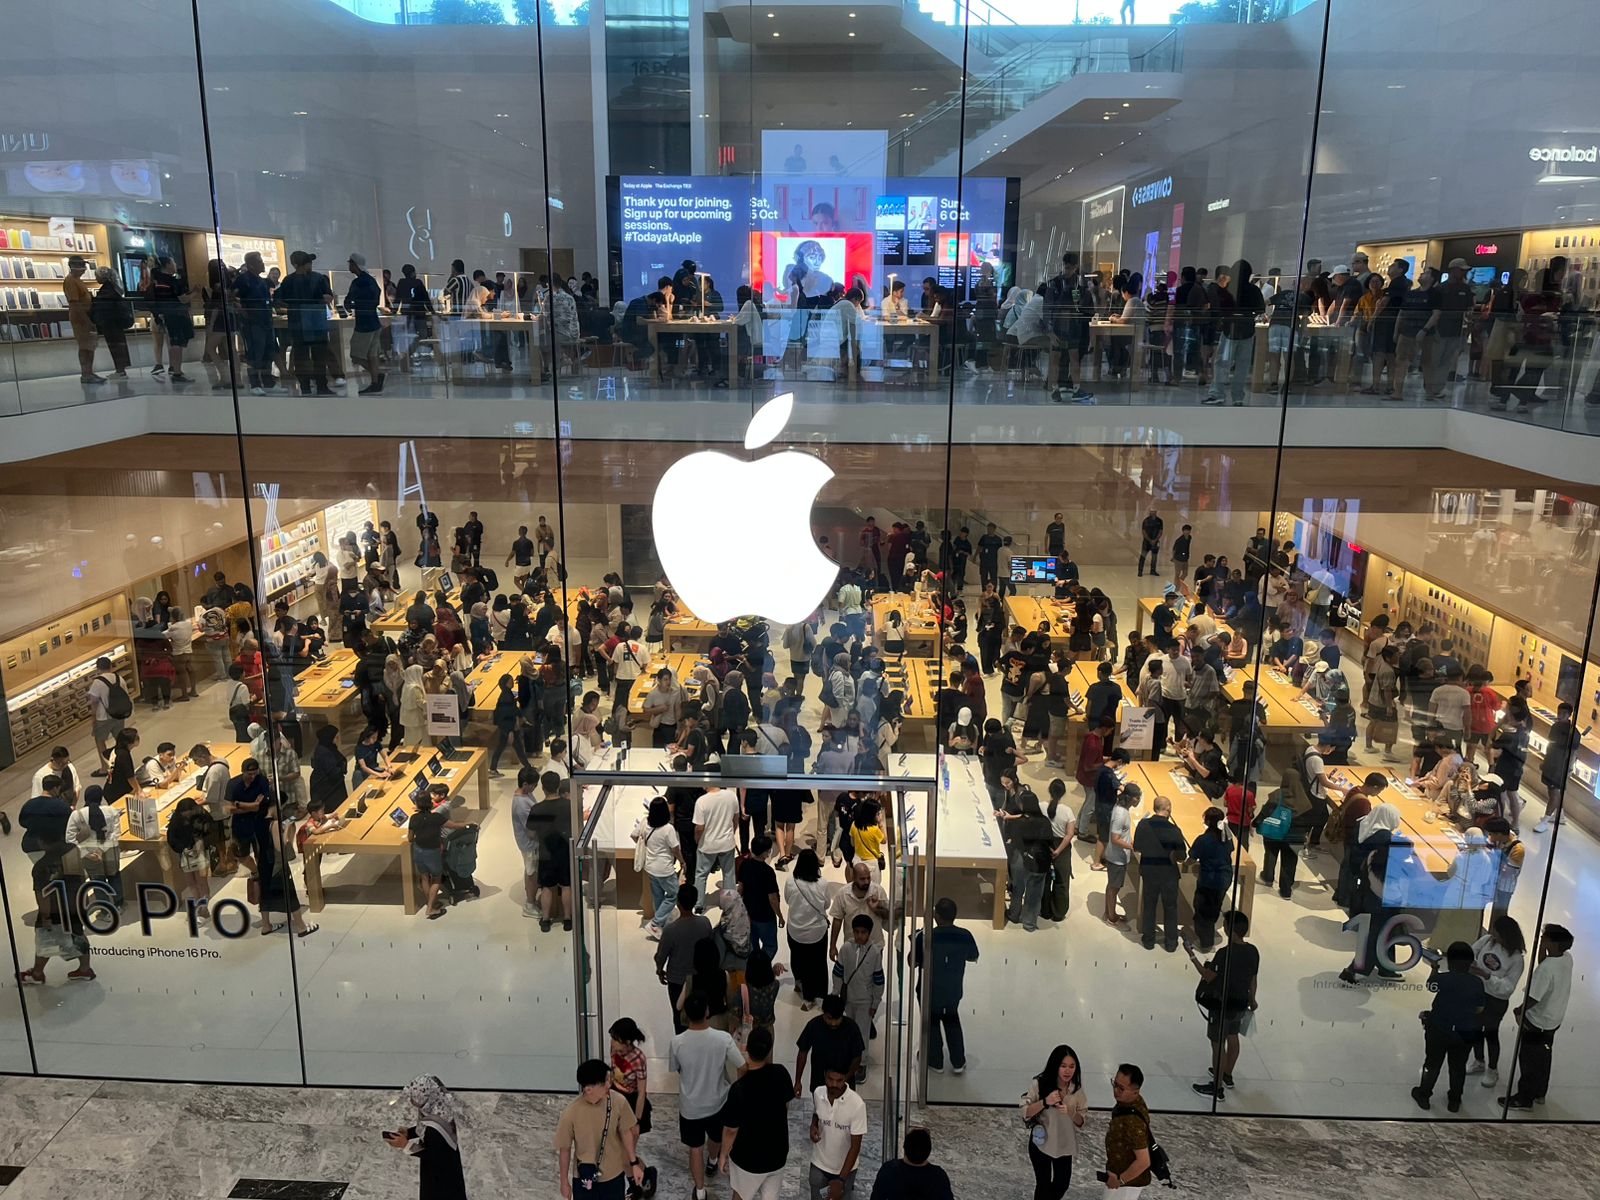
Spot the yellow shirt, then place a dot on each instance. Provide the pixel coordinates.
(79, 297)
(868, 842)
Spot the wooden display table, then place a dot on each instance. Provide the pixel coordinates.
(1189, 804)
(374, 832)
(1032, 611)
(1437, 839)
(687, 632)
(1106, 332)
(919, 679)
(723, 327)
(393, 622)
(232, 753)
(680, 664)
(920, 617)
(325, 688)
(484, 679)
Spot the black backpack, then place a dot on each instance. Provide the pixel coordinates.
(119, 705)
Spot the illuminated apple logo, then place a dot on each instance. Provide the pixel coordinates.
(778, 573)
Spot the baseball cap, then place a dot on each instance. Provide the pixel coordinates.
(301, 256)
(1458, 262)
(1170, 590)
(1320, 669)
(1341, 269)
(360, 260)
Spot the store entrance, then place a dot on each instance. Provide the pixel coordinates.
(622, 970)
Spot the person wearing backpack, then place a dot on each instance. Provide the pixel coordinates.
(1283, 823)
(109, 708)
(1128, 1139)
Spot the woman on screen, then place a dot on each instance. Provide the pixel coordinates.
(807, 282)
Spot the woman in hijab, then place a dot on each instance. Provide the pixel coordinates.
(328, 768)
(435, 1139)
(1380, 852)
(394, 682)
(413, 707)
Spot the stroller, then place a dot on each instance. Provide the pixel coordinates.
(460, 861)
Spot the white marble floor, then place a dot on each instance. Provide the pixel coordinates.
(145, 1141)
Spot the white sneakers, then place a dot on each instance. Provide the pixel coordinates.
(1543, 826)
(529, 910)
(1490, 1078)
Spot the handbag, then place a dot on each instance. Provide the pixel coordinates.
(641, 851)
(1275, 825)
(589, 1173)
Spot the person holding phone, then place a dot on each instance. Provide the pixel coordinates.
(1227, 992)
(435, 1139)
(1054, 1108)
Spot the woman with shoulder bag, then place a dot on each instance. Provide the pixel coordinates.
(188, 832)
(1054, 1108)
(658, 855)
(96, 830)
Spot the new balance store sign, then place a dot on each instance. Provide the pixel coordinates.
(1576, 154)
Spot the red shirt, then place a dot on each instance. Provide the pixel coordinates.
(1485, 704)
(1241, 804)
(1090, 757)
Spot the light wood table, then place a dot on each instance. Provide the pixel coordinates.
(1032, 611)
(485, 678)
(687, 632)
(393, 622)
(918, 613)
(373, 832)
(911, 327)
(1189, 804)
(919, 679)
(325, 688)
(681, 664)
(232, 753)
(724, 327)
(1105, 331)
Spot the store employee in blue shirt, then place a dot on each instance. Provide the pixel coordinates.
(362, 299)
(953, 948)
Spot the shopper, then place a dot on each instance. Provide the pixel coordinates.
(305, 296)
(1128, 1137)
(1118, 849)
(435, 1139)
(829, 1043)
(716, 829)
(806, 897)
(859, 978)
(703, 1058)
(1227, 993)
(1498, 959)
(912, 1175)
(1549, 991)
(674, 957)
(953, 948)
(111, 316)
(1161, 849)
(838, 1127)
(756, 1123)
(758, 888)
(663, 860)
(1054, 1108)
(596, 1139)
(362, 300)
(1451, 1026)
(1212, 852)
(168, 293)
(254, 305)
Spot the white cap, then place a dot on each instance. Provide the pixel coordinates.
(1320, 668)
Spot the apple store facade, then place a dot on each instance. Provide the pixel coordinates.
(812, 380)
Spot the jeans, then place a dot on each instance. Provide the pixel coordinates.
(1235, 357)
(719, 860)
(820, 1179)
(764, 936)
(1436, 367)
(1494, 1011)
(1272, 852)
(1158, 884)
(312, 363)
(1533, 1062)
(948, 1020)
(856, 623)
(1441, 1045)
(1153, 549)
(1207, 908)
(1026, 897)
(664, 895)
(1051, 1176)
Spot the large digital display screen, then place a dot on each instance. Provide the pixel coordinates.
(785, 234)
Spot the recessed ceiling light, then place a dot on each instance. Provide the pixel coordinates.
(774, 33)
(852, 33)
(502, 114)
(452, 89)
(1125, 104)
(299, 112)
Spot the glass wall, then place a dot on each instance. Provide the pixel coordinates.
(836, 362)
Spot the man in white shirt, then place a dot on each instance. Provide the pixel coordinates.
(838, 1124)
(716, 827)
(703, 1058)
(862, 896)
(850, 610)
(1202, 628)
(180, 635)
(627, 662)
(1548, 992)
(60, 765)
(1176, 672)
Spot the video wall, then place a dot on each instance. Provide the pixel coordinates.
(795, 237)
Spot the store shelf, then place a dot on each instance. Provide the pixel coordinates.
(45, 712)
(286, 556)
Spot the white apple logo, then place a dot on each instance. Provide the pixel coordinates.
(778, 573)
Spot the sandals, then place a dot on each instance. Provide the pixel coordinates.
(307, 931)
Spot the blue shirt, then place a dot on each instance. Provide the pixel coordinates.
(304, 298)
(953, 948)
(1215, 860)
(248, 824)
(255, 297)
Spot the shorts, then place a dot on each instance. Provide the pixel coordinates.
(1116, 875)
(193, 860)
(695, 1132)
(1278, 339)
(530, 862)
(1075, 336)
(428, 860)
(364, 344)
(1102, 823)
(749, 1184)
(1478, 739)
(1223, 1024)
(106, 729)
(1058, 726)
(555, 872)
(1209, 335)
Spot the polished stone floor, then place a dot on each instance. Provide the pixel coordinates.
(139, 1141)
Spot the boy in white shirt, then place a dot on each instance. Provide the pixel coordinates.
(1542, 1014)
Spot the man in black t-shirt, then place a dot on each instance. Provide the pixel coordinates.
(755, 1122)
(1456, 298)
(1150, 530)
(1414, 328)
(1228, 984)
(1055, 536)
(522, 556)
(1015, 667)
(1383, 330)
(988, 555)
(1451, 1026)
(1180, 554)
(828, 1042)
(758, 887)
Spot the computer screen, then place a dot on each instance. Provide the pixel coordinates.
(1029, 568)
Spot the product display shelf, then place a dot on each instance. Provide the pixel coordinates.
(286, 559)
(46, 711)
